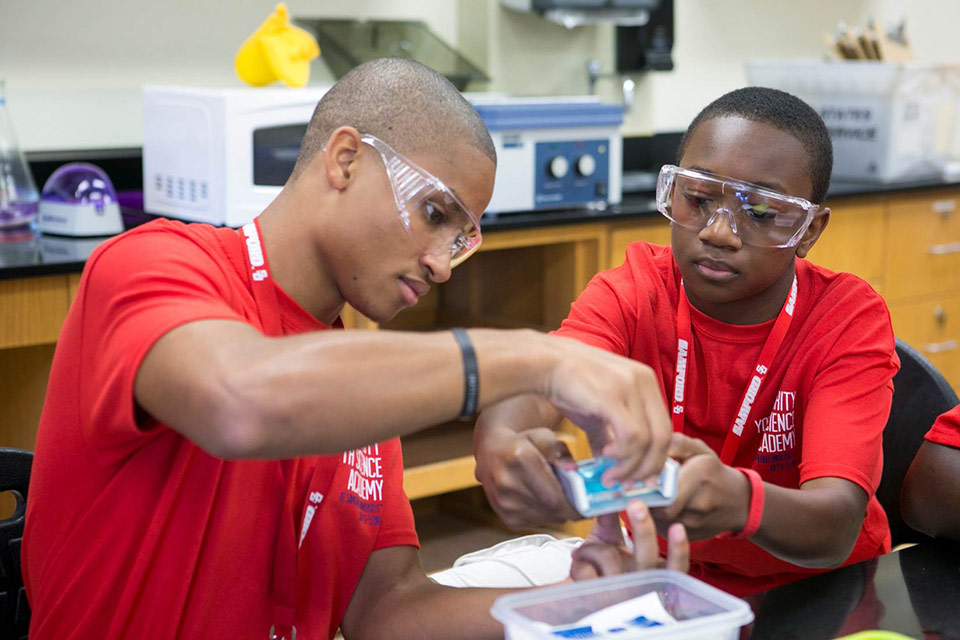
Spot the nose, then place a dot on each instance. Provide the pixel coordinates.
(721, 230)
(437, 266)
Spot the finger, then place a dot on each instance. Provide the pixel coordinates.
(545, 492)
(683, 447)
(607, 529)
(678, 548)
(688, 482)
(661, 429)
(580, 570)
(645, 550)
(552, 448)
(606, 559)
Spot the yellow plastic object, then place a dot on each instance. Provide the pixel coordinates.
(277, 50)
(876, 635)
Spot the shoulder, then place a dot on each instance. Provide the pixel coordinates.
(646, 267)
(839, 294)
(160, 242)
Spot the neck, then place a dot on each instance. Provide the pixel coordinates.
(295, 262)
(755, 309)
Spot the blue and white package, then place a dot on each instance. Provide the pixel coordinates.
(590, 498)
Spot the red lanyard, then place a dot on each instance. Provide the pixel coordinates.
(684, 345)
(284, 587)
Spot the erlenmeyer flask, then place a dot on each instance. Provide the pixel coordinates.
(18, 193)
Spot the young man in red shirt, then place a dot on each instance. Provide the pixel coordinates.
(930, 498)
(778, 372)
(213, 461)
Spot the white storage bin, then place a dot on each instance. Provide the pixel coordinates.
(890, 122)
(702, 612)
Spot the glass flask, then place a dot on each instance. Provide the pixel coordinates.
(18, 193)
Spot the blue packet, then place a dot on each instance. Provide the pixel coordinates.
(590, 498)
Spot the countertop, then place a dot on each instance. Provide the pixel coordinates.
(27, 254)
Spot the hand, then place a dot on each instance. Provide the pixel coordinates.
(618, 403)
(711, 497)
(514, 469)
(605, 553)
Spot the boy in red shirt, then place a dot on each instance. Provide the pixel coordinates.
(214, 462)
(778, 372)
(930, 497)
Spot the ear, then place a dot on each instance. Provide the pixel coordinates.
(339, 156)
(812, 234)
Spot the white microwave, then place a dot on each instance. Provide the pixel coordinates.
(220, 155)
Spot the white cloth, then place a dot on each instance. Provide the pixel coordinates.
(528, 561)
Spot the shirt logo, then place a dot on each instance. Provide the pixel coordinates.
(366, 473)
(778, 436)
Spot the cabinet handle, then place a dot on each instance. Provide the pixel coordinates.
(944, 249)
(940, 314)
(944, 207)
(941, 347)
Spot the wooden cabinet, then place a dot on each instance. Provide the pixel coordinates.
(924, 249)
(907, 246)
(855, 240)
(933, 328)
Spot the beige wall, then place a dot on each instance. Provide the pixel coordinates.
(74, 69)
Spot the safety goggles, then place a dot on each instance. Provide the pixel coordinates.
(758, 216)
(437, 221)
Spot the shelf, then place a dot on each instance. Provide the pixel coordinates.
(440, 459)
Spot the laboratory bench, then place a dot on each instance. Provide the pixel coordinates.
(903, 239)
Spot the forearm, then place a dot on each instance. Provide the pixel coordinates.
(930, 498)
(333, 391)
(814, 526)
(431, 611)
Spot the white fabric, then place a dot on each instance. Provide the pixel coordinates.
(528, 561)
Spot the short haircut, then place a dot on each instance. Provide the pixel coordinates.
(406, 104)
(785, 112)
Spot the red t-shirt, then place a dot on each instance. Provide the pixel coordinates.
(820, 412)
(135, 532)
(946, 430)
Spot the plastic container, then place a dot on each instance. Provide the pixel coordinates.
(890, 122)
(18, 193)
(702, 612)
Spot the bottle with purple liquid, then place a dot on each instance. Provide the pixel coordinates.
(18, 192)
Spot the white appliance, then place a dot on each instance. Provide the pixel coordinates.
(220, 155)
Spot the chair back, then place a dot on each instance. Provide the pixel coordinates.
(920, 394)
(14, 611)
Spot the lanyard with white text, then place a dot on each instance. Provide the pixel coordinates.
(284, 587)
(767, 354)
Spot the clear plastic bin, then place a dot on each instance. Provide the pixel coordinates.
(702, 612)
(890, 122)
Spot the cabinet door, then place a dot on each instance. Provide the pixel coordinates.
(933, 328)
(924, 247)
(655, 231)
(854, 241)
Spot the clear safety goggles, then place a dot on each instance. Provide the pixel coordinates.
(437, 221)
(758, 216)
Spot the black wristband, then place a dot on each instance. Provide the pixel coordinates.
(471, 378)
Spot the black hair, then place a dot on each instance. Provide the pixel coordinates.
(785, 112)
(406, 104)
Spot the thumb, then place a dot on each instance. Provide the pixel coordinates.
(684, 447)
(552, 448)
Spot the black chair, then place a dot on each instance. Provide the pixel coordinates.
(920, 394)
(14, 477)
